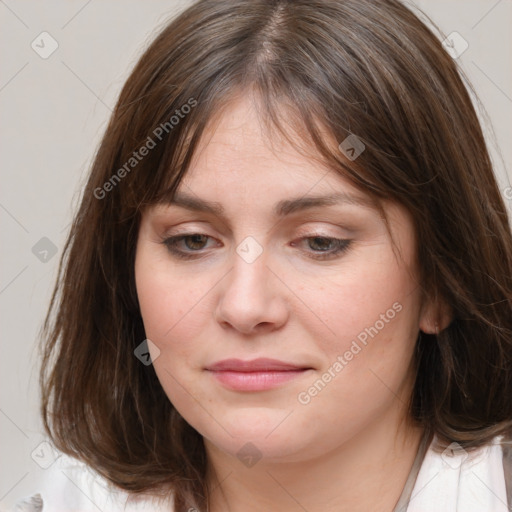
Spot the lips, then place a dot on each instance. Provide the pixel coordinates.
(256, 375)
(256, 365)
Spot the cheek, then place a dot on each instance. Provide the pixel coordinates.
(378, 328)
(174, 312)
(377, 297)
(173, 305)
(367, 336)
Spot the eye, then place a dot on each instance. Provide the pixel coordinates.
(325, 247)
(194, 243)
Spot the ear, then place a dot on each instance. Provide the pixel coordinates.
(435, 316)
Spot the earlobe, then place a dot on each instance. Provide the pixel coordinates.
(435, 317)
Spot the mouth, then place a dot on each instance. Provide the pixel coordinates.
(256, 375)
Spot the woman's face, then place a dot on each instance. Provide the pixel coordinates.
(265, 272)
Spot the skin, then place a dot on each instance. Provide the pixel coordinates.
(351, 447)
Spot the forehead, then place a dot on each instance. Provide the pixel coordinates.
(241, 164)
(236, 150)
(240, 171)
(239, 134)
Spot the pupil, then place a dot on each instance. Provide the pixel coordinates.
(196, 239)
(323, 246)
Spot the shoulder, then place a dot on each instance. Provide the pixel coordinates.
(73, 486)
(464, 481)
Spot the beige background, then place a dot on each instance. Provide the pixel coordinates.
(53, 113)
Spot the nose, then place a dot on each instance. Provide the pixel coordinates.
(252, 299)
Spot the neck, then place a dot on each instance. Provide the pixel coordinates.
(366, 472)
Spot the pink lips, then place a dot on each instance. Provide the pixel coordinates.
(256, 375)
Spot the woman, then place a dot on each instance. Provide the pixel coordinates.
(289, 283)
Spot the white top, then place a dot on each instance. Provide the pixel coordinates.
(454, 481)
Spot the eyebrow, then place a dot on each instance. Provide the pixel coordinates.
(281, 209)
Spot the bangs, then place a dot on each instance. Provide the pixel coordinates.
(302, 125)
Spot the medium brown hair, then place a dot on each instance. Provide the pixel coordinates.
(362, 67)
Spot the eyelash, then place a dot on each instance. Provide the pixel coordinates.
(341, 246)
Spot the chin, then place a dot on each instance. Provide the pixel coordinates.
(257, 435)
